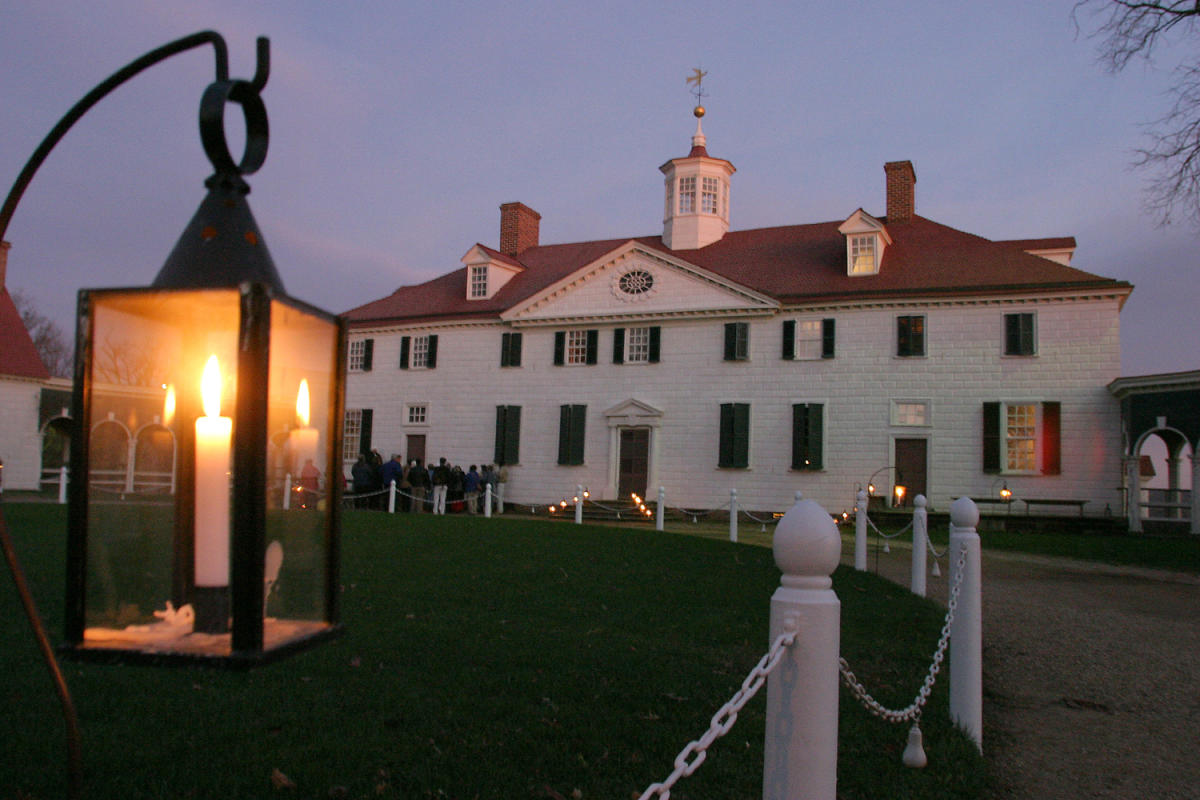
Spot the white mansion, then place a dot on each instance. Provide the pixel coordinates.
(808, 357)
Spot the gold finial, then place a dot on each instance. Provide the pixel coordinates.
(697, 78)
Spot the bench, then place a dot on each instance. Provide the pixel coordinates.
(1048, 501)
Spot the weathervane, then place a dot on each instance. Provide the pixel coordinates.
(697, 78)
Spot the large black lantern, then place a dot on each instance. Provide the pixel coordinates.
(206, 459)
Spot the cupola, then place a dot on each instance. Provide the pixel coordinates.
(697, 196)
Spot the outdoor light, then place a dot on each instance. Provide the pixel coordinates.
(900, 492)
(871, 489)
(1005, 492)
(197, 399)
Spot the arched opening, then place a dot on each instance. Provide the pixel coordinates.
(108, 455)
(154, 460)
(56, 452)
(1164, 470)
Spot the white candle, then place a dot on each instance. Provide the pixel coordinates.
(304, 440)
(213, 435)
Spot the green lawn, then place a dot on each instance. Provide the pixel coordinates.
(502, 658)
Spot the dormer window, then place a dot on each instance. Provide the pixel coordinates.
(862, 255)
(479, 281)
(866, 239)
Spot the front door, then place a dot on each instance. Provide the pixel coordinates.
(634, 462)
(416, 448)
(911, 461)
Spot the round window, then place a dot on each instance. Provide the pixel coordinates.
(636, 281)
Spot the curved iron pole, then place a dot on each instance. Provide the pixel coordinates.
(74, 747)
(96, 95)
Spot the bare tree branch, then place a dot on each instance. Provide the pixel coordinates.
(48, 339)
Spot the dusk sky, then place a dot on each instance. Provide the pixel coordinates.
(398, 128)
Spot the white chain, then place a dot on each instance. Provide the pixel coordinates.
(933, 550)
(913, 712)
(723, 720)
(880, 533)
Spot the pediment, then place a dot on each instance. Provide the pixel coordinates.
(633, 281)
(631, 413)
(862, 222)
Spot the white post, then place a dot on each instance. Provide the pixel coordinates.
(920, 544)
(733, 515)
(579, 505)
(487, 501)
(392, 496)
(287, 491)
(860, 531)
(802, 693)
(966, 631)
(1133, 480)
(659, 514)
(62, 484)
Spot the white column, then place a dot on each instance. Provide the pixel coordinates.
(920, 544)
(661, 510)
(1133, 480)
(287, 491)
(860, 531)
(966, 631)
(579, 505)
(733, 512)
(802, 693)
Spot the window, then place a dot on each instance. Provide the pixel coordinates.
(1020, 334)
(636, 345)
(910, 412)
(576, 347)
(862, 255)
(734, 448)
(418, 415)
(479, 281)
(636, 282)
(418, 351)
(510, 349)
(1022, 437)
(737, 341)
(910, 336)
(687, 195)
(508, 434)
(359, 355)
(808, 339)
(808, 428)
(356, 433)
(709, 194)
(570, 434)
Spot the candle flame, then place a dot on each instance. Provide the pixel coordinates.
(210, 388)
(302, 407)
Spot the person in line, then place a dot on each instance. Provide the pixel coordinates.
(310, 484)
(441, 486)
(471, 490)
(419, 479)
(393, 470)
(362, 477)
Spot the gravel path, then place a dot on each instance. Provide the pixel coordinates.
(1092, 676)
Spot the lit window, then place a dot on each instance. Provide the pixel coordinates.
(1020, 437)
(479, 281)
(577, 347)
(910, 413)
(352, 434)
(637, 345)
(418, 415)
(862, 255)
(358, 350)
(708, 195)
(420, 351)
(687, 195)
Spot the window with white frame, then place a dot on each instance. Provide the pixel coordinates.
(862, 255)
(1020, 334)
(352, 434)
(479, 281)
(577, 347)
(358, 350)
(709, 194)
(420, 351)
(1020, 437)
(687, 195)
(637, 345)
(418, 414)
(910, 412)
(808, 339)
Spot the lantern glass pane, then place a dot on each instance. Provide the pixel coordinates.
(148, 351)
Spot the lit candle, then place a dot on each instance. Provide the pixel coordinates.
(213, 434)
(303, 441)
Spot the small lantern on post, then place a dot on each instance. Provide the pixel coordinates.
(216, 376)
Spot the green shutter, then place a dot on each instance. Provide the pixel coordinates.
(991, 437)
(816, 435)
(577, 423)
(593, 345)
(560, 347)
(514, 355)
(368, 354)
(734, 448)
(505, 344)
(789, 339)
(501, 418)
(618, 346)
(730, 341)
(827, 337)
(404, 342)
(564, 434)
(655, 343)
(364, 436)
(431, 356)
(1052, 438)
(799, 435)
(512, 436)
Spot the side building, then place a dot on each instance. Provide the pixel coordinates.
(22, 376)
(817, 357)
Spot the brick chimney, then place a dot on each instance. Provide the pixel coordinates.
(3, 261)
(518, 228)
(901, 191)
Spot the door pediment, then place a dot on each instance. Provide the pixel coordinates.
(633, 413)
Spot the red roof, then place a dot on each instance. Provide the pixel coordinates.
(794, 264)
(18, 356)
